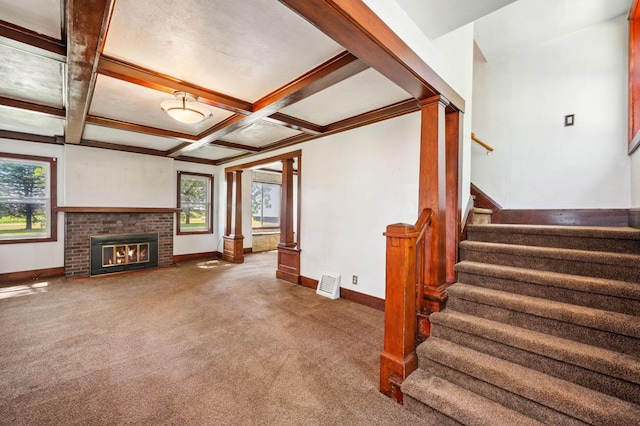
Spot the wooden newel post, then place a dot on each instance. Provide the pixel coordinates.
(398, 358)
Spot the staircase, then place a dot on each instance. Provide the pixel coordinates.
(542, 327)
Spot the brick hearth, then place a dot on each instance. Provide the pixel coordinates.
(83, 223)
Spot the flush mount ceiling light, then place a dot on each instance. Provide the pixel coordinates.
(186, 108)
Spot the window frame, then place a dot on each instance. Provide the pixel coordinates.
(266, 228)
(53, 198)
(210, 201)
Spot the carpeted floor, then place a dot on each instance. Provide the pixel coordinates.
(205, 343)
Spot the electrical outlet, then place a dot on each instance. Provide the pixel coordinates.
(354, 280)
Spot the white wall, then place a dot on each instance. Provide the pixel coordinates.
(635, 179)
(354, 184)
(519, 106)
(34, 256)
(104, 178)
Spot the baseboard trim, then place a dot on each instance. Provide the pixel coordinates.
(350, 295)
(31, 275)
(362, 299)
(177, 258)
(308, 282)
(247, 250)
(634, 218)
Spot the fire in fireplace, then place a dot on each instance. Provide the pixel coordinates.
(118, 253)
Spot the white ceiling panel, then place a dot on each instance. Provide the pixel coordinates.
(244, 49)
(531, 22)
(211, 152)
(41, 16)
(130, 102)
(260, 133)
(122, 137)
(30, 77)
(366, 91)
(29, 122)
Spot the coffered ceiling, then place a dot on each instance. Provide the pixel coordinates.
(94, 73)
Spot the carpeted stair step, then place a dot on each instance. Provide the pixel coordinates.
(545, 398)
(614, 266)
(610, 330)
(607, 239)
(599, 369)
(444, 403)
(599, 293)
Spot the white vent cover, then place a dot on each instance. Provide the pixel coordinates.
(329, 286)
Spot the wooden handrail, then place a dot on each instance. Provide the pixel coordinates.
(483, 144)
(423, 222)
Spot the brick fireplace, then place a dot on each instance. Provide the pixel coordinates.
(82, 223)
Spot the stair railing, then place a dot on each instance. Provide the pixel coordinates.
(482, 143)
(405, 275)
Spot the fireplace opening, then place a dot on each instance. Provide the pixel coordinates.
(119, 253)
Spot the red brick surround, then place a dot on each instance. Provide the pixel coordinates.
(80, 226)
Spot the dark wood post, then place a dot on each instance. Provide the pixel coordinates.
(432, 195)
(454, 209)
(233, 248)
(398, 358)
(288, 253)
(227, 228)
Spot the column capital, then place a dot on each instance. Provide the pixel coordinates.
(422, 103)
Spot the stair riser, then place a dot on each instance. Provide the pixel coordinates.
(587, 268)
(611, 245)
(508, 399)
(431, 416)
(588, 378)
(566, 295)
(578, 333)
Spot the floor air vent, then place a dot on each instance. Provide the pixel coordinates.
(329, 286)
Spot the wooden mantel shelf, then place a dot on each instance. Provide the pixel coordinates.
(68, 209)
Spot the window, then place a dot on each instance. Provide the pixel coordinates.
(265, 205)
(195, 193)
(27, 199)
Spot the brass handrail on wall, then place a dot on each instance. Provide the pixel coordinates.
(483, 144)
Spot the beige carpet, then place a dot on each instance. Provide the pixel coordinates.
(205, 343)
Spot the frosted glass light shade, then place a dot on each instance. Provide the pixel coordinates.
(186, 108)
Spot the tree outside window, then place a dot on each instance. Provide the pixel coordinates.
(25, 199)
(194, 202)
(265, 205)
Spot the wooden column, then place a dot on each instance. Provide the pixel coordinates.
(432, 195)
(227, 229)
(454, 209)
(288, 253)
(233, 248)
(398, 358)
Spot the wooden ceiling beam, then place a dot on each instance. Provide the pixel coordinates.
(32, 107)
(295, 123)
(29, 137)
(336, 69)
(32, 42)
(156, 81)
(138, 128)
(356, 27)
(87, 24)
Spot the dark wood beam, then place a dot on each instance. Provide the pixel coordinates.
(31, 107)
(197, 160)
(353, 25)
(295, 123)
(233, 145)
(138, 128)
(32, 42)
(29, 137)
(327, 74)
(87, 24)
(123, 148)
(380, 114)
(164, 83)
